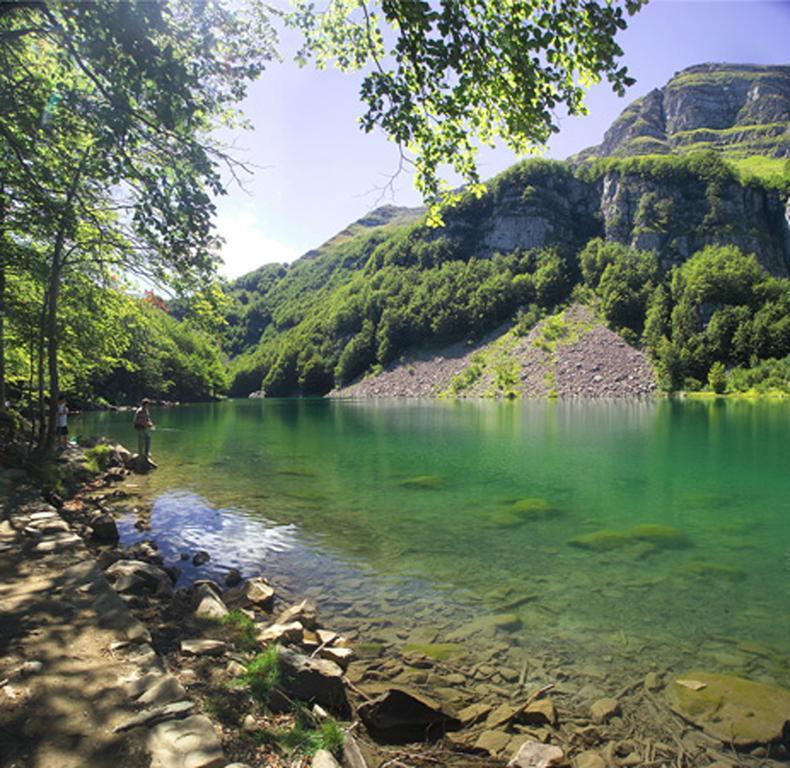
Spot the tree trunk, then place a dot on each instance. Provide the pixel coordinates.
(2, 302)
(51, 322)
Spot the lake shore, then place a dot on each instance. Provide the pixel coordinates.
(484, 708)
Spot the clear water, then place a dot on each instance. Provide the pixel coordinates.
(398, 517)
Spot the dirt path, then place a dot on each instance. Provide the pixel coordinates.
(69, 653)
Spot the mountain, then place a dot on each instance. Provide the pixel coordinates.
(674, 231)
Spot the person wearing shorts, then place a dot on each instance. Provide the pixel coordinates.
(62, 423)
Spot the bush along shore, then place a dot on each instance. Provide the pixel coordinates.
(228, 674)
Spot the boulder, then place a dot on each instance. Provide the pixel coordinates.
(135, 577)
(735, 710)
(208, 604)
(281, 633)
(104, 528)
(403, 714)
(305, 613)
(154, 715)
(533, 754)
(315, 680)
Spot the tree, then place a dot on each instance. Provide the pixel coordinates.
(463, 71)
(106, 120)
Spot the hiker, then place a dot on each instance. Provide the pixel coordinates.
(143, 425)
(62, 421)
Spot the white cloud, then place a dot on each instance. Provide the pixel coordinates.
(246, 245)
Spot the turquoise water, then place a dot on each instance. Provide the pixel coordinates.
(419, 519)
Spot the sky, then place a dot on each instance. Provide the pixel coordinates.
(316, 171)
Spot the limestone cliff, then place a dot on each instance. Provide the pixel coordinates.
(735, 108)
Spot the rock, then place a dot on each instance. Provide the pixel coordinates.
(233, 577)
(473, 714)
(31, 668)
(589, 759)
(305, 613)
(166, 689)
(188, 743)
(135, 577)
(201, 558)
(326, 636)
(352, 755)
(209, 604)
(281, 633)
(316, 680)
(402, 713)
(540, 712)
(154, 715)
(493, 742)
(104, 528)
(324, 759)
(203, 647)
(532, 754)
(341, 656)
(255, 591)
(652, 681)
(604, 709)
(234, 669)
(732, 709)
(249, 724)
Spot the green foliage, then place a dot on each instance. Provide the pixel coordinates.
(97, 458)
(721, 309)
(243, 630)
(263, 674)
(717, 378)
(466, 72)
(303, 737)
(767, 377)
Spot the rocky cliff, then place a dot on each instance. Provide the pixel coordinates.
(735, 108)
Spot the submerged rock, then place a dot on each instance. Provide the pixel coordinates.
(732, 709)
(532, 754)
(423, 482)
(662, 536)
(713, 571)
(601, 541)
(604, 709)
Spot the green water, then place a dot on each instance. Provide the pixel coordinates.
(408, 519)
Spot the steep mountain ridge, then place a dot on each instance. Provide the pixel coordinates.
(389, 284)
(741, 109)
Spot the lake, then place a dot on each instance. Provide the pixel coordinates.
(590, 540)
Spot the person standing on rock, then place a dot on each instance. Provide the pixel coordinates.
(63, 421)
(143, 425)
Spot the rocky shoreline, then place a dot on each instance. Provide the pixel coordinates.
(220, 668)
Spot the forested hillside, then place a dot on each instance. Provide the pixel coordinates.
(685, 253)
